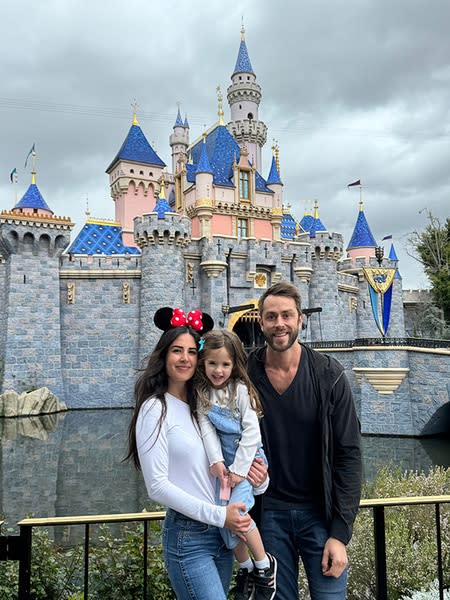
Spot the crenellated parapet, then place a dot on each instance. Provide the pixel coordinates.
(173, 230)
(38, 233)
(246, 130)
(325, 246)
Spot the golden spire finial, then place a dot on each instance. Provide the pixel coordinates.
(134, 105)
(316, 209)
(162, 191)
(87, 212)
(33, 177)
(219, 105)
(277, 157)
(242, 29)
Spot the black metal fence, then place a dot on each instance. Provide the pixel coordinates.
(19, 547)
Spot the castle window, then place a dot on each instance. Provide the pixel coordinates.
(242, 228)
(141, 172)
(244, 185)
(131, 170)
(250, 116)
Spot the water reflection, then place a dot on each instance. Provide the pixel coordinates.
(75, 468)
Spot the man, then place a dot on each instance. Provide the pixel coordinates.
(311, 436)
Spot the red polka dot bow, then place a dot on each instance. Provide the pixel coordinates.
(193, 319)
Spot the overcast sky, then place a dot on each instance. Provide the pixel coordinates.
(352, 89)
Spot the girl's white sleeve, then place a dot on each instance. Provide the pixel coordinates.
(251, 435)
(210, 439)
(153, 453)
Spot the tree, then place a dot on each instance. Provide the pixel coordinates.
(431, 247)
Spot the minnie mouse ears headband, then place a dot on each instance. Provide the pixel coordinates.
(166, 318)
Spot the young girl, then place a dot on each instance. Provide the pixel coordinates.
(228, 408)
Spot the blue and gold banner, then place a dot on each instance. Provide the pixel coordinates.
(380, 282)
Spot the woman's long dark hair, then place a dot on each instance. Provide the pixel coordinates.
(153, 382)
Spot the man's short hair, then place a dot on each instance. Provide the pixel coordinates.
(282, 288)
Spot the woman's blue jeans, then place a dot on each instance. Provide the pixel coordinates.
(197, 561)
(293, 534)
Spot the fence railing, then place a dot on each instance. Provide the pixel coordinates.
(409, 342)
(19, 547)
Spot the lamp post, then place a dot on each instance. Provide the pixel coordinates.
(379, 253)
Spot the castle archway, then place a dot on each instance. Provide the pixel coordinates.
(245, 325)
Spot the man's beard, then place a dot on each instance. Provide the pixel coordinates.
(293, 335)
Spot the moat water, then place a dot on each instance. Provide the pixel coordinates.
(71, 464)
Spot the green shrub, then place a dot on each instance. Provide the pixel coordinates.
(411, 551)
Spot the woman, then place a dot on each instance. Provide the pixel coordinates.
(166, 444)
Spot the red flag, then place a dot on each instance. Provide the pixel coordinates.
(355, 183)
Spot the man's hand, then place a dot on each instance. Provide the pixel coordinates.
(334, 558)
(257, 473)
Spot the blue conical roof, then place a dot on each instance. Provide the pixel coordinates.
(204, 166)
(362, 236)
(186, 123)
(274, 176)
(392, 253)
(33, 199)
(243, 64)
(137, 149)
(393, 256)
(179, 120)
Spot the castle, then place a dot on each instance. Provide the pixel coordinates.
(212, 232)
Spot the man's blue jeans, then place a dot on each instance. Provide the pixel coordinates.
(197, 561)
(290, 534)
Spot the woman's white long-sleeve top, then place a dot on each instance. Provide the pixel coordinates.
(174, 462)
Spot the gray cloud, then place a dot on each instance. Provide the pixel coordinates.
(351, 89)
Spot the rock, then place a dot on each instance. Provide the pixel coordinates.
(37, 402)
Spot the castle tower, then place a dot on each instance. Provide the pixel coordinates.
(362, 242)
(326, 250)
(162, 236)
(275, 184)
(133, 178)
(32, 240)
(179, 140)
(204, 193)
(244, 96)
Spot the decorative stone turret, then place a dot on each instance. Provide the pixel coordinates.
(179, 140)
(32, 240)
(162, 236)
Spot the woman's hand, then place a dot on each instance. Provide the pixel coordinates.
(235, 521)
(257, 473)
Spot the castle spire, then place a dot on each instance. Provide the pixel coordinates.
(243, 64)
(134, 104)
(219, 105)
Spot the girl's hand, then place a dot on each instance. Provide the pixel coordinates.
(219, 470)
(235, 479)
(257, 473)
